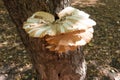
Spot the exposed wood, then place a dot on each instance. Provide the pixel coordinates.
(48, 65)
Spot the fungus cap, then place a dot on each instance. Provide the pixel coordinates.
(73, 28)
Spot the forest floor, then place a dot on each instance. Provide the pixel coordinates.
(102, 53)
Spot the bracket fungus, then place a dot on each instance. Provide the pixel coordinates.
(73, 28)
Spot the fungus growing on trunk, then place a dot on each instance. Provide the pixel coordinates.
(72, 29)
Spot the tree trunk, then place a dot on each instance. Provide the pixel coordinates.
(48, 65)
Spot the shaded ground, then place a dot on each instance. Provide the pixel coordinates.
(102, 54)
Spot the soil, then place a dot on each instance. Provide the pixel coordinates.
(102, 53)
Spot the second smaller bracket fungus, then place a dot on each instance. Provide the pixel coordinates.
(72, 29)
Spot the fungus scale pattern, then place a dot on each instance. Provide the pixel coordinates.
(73, 28)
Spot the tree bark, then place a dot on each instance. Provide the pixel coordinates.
(48, 65)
